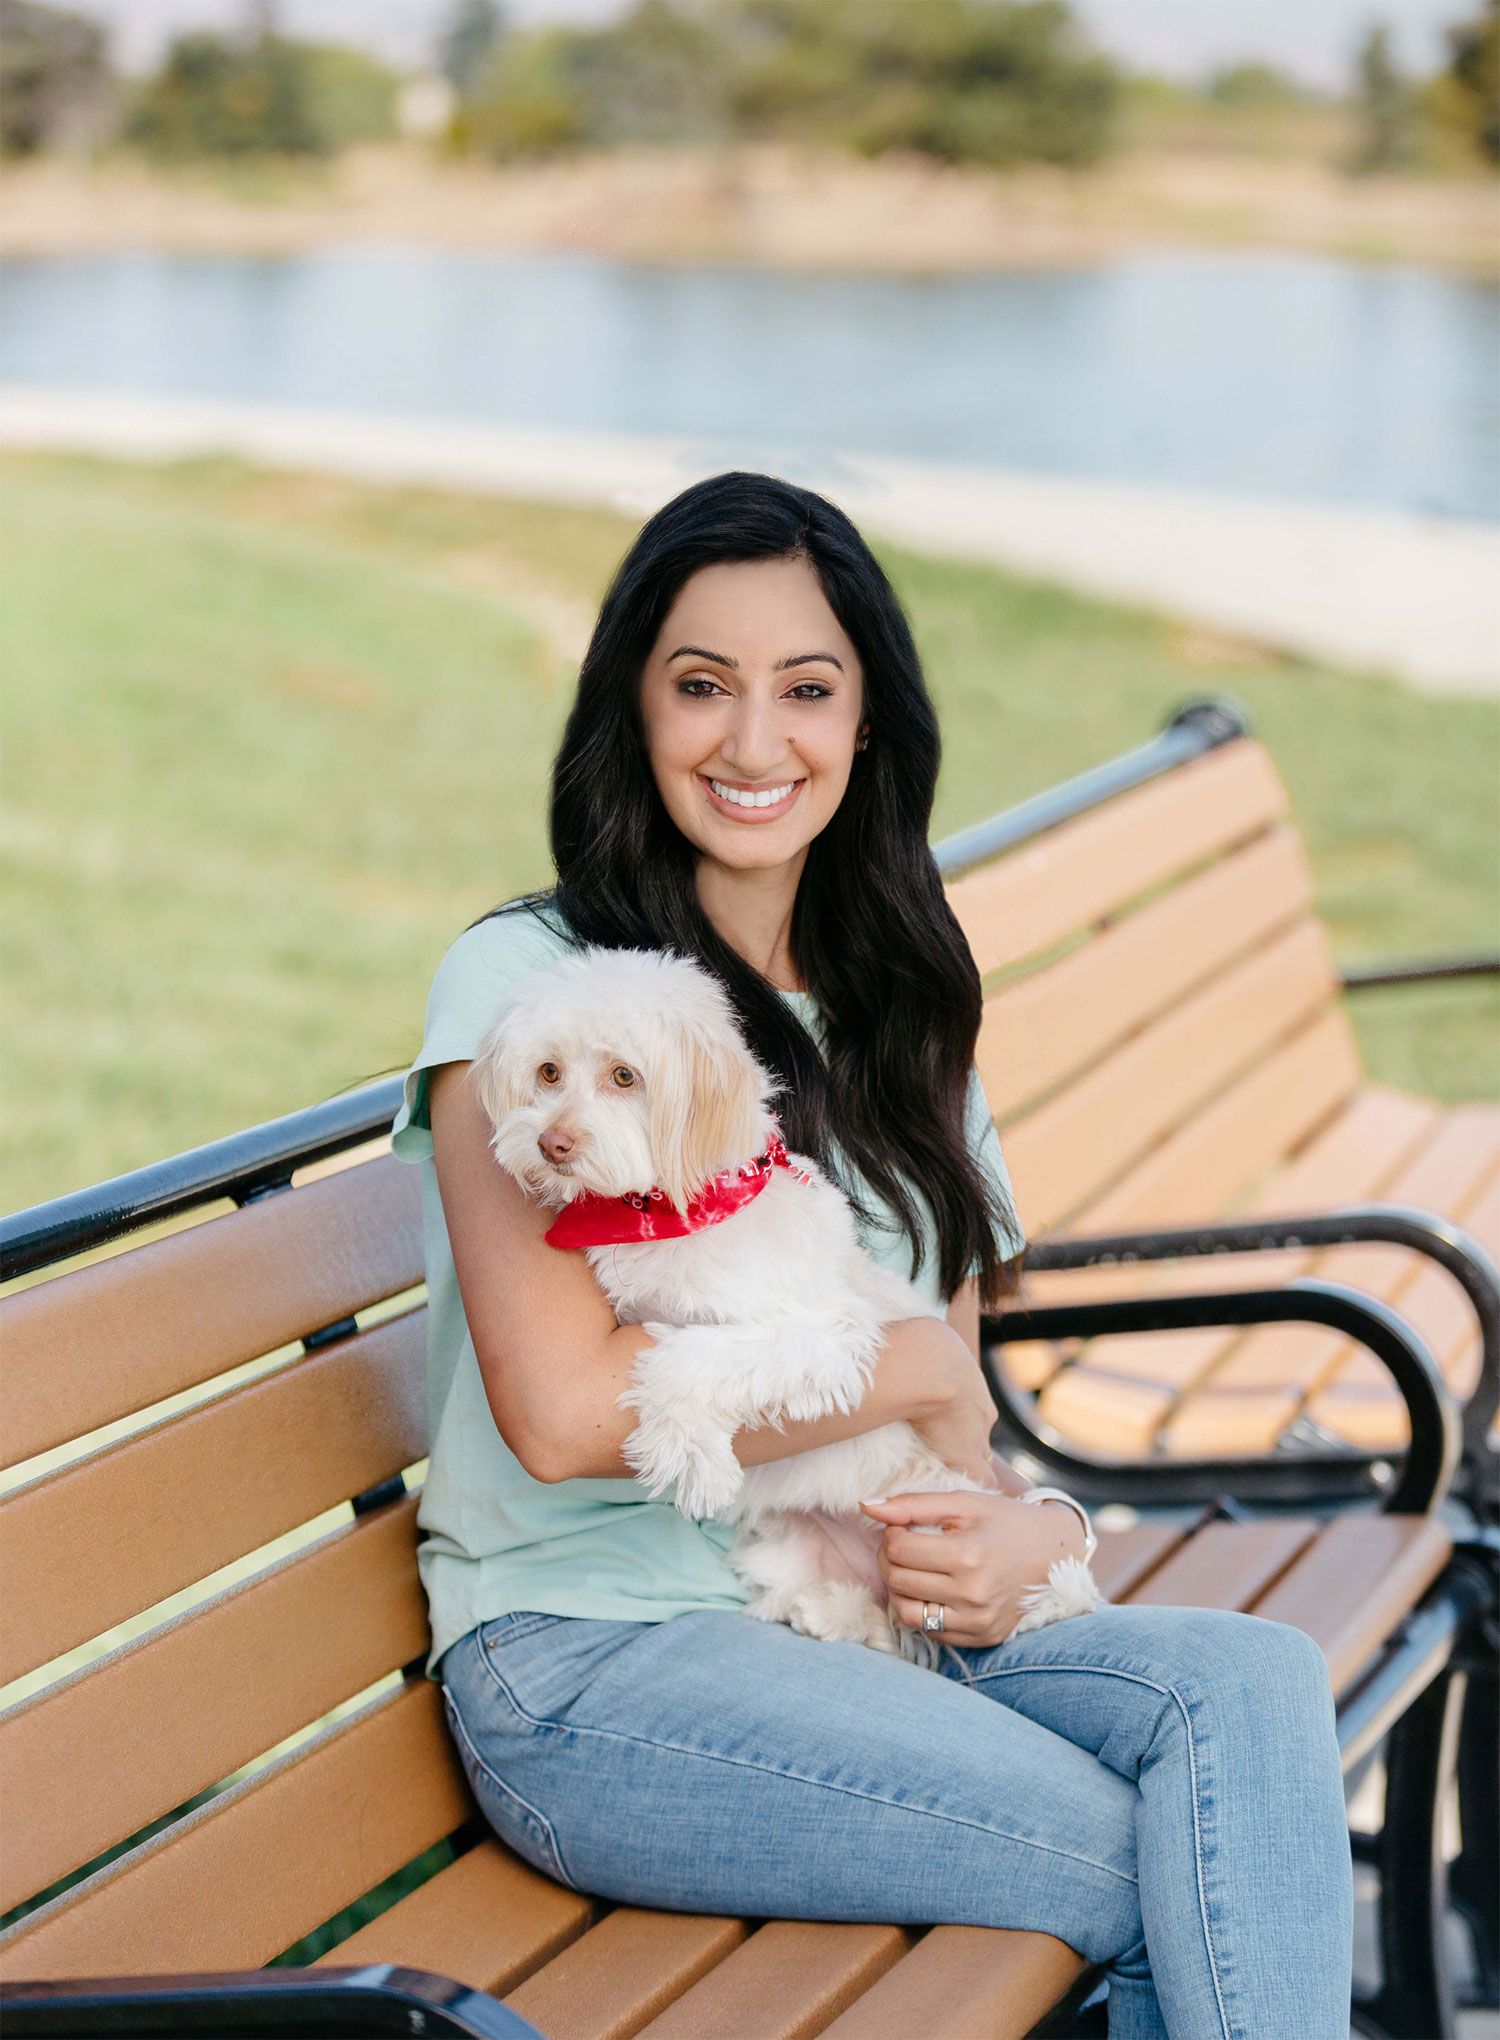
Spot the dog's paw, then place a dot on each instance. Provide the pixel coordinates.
(692, 1460)
(1071, 1589)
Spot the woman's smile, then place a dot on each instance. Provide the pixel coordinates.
(744, 801)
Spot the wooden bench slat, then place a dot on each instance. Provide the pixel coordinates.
(1102, 1413)
(171, 1715)
(624, 1973)
(489, 1920)
(244, 1877)
(122, 1334)
(1236, 1423)
(959, 1982)
(1353, 1158)
(1031, 900)
(1052, 1024)
(787, 1982)
(1353, 1585)
(1126, 1557)
(102, 1540)
(1227, 1565)
(1233, 1140)
(1064, 1154)
(1445, 1174)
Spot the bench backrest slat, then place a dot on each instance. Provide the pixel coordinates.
(170, 1716)
(125, 1333)
(1211, 1163)
(1053, 1023)
(1036, 897)
(236, 1883)
(1072, 1147)
(90, 1546)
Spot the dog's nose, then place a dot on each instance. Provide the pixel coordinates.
(556, 1143)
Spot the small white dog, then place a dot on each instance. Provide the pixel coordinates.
(622, 1095)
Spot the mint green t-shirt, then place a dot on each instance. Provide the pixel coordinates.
(497, 1540)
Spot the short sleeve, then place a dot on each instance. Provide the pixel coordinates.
(484, 965)
(984, 1145)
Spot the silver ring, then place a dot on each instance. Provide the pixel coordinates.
(932, 1618)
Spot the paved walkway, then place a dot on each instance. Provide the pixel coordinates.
(1415, 597)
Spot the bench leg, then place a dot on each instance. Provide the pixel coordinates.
(1474, 1875)
(1416, 2000)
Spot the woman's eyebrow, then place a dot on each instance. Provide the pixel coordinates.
(699, 652)
(809, 659)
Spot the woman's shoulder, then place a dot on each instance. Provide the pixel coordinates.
(483, 966)
(495, 954)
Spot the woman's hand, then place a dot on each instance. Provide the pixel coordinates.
(989, 1549)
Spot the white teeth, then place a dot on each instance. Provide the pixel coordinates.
(737, 798)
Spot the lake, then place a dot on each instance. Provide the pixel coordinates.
(1278, 377)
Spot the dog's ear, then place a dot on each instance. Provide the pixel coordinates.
(705, 1098)
(497, 1074)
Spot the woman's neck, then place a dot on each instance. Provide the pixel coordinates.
(752, 910)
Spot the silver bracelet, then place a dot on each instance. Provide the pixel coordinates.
(1055, 1494)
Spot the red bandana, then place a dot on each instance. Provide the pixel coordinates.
(594, 1221)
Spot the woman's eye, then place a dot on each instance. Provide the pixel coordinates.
(699, 687)
(622, 1076)
(809, 690)
(549, 1073)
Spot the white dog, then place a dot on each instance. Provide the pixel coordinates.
(622, 1095)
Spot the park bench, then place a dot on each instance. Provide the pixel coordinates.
(220, 1750)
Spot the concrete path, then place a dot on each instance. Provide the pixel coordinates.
(1418, 598)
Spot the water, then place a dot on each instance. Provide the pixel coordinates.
(1268, 376)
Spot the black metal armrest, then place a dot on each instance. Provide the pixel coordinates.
(341, 2004)
(1420, 971)
(1424, 1232)
(1287, 1478)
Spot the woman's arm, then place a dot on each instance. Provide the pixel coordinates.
(554, 1362)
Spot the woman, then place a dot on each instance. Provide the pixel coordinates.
(747, 777)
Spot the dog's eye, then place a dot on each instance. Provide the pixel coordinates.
(549, 1073)
(622, 1076)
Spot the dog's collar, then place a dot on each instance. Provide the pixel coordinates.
(594, 1221)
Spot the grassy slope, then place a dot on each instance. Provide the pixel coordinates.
(271, 742)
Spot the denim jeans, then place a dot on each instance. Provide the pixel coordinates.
(1158, 1787)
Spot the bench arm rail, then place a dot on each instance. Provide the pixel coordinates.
(1421, 970)
(1401, 1225)
(1286, 1478)
(333, 2004)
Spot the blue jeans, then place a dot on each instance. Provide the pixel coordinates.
(1158, 1787)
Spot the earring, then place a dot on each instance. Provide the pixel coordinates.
(862, 741)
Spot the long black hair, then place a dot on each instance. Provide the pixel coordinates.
(872, 934)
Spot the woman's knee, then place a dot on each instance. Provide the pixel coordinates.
(1214, 1651)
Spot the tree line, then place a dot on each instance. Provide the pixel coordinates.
(995, 82)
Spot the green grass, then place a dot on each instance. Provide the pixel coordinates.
(271, 742)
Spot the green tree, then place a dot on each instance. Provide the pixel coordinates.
(468, 42)
(1386, 108)
(657, 75)
(990, 81)
(215, 96)
(351, 95)
(58, 88)
(1467, 97)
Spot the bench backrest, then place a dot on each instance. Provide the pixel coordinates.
(1160, 1027)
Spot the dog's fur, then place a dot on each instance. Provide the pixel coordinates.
(771, 1315)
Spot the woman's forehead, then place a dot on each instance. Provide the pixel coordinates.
(755, 613)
